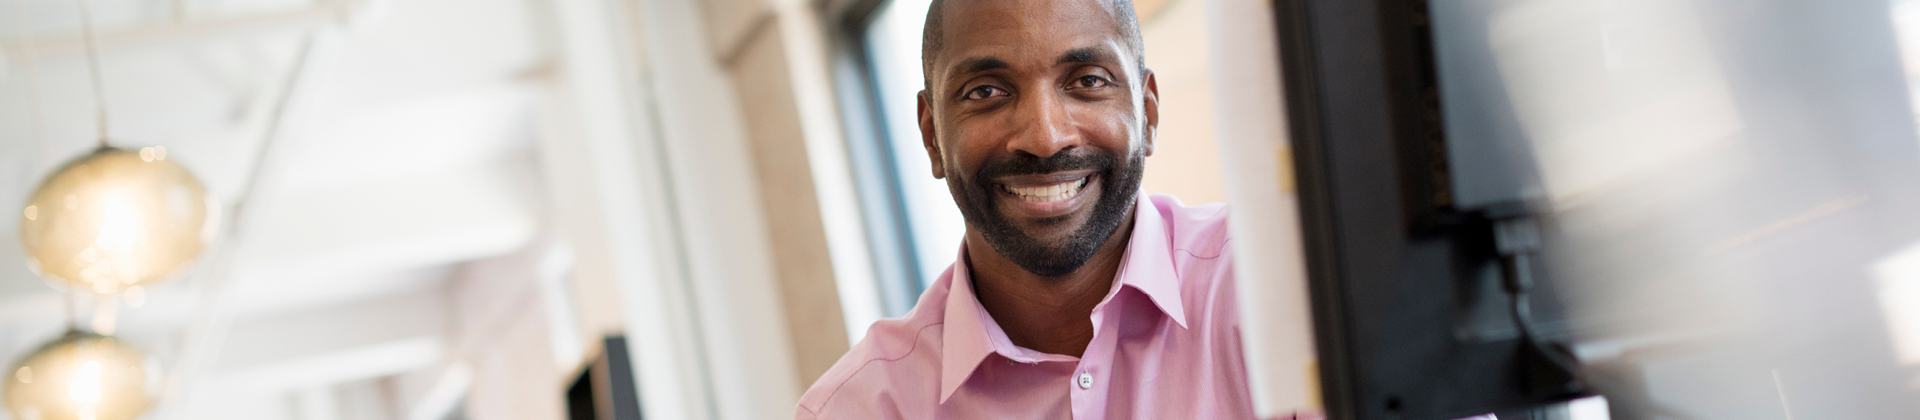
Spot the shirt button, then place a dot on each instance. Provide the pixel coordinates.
(1086, 380)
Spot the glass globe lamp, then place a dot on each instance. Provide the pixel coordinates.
(116, 218)
(80, 376)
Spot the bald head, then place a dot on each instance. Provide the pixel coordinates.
(933, 38)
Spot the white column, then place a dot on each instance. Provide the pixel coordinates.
(1276, 322)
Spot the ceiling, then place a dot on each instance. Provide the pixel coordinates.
(409, 149)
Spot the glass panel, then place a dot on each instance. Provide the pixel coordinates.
(893, 43)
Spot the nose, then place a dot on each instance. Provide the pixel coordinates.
(1044, 127)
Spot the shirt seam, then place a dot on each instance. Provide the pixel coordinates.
(863, 366)
(1218, 250)
(1222, 250)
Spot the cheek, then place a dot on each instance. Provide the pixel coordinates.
(971, 144)
(1109, 128)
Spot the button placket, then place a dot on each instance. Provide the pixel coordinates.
(1090, 402)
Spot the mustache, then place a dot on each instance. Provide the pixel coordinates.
(1030, 164)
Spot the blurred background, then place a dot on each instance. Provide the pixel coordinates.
(689, 209)
(442, 209)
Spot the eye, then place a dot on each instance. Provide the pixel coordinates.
(1090, 82)
(984, 92)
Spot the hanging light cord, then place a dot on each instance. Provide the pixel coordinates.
(93, 66)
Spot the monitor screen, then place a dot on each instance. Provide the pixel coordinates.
(1698, 209)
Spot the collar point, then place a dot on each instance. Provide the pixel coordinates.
(946, 392)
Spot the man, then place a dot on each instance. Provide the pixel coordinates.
(1073, 296)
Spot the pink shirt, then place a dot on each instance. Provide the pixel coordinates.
(1166, 343)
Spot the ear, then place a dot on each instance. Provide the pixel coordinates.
(1151, 105)
(927, 138)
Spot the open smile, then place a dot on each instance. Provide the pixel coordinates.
(1047, 195)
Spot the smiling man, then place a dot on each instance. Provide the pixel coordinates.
(1073, 296)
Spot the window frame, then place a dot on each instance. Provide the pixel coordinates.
(877, 175)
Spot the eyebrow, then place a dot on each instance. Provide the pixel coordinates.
(1087, 55)
(980, 64)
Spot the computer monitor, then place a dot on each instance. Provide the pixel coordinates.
(1700, 209)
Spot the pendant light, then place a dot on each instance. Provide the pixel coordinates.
(80, 376)
(116, 218)
(112, 219)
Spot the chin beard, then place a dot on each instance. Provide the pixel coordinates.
(1119, 187)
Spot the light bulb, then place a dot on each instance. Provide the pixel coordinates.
(116, 218)
(81, 376)
(84, 386)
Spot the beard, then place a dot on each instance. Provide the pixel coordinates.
(1119, 185)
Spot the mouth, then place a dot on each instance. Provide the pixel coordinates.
(1048, 193)
(1048, 196)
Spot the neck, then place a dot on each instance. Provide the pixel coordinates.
(1046, 314)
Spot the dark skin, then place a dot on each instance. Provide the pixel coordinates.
(1037, 77)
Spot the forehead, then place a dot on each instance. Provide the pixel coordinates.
(1017, 29)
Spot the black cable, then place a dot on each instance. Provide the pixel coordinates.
(1517, 239)
(93, 66)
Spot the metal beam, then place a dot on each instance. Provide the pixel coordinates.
(205, 335)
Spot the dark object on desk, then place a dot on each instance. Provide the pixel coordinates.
(606, 389)
(1424, 308)
(1710, 201)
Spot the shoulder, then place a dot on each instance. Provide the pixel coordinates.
(897, 364)
(1202, 258)
(1194, 231)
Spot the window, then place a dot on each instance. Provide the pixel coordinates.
(913, 224)
(893, 42)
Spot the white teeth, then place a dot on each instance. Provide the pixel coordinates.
(1050, 193)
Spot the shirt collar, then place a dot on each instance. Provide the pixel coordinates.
(1148, 263)
(970, 334)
